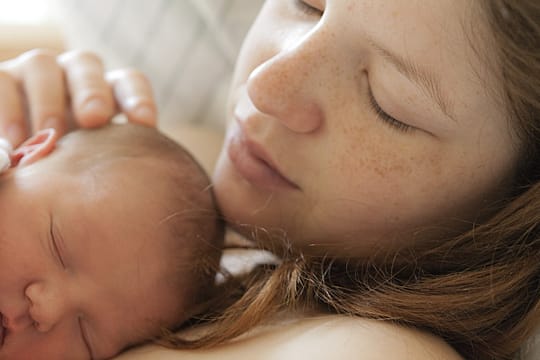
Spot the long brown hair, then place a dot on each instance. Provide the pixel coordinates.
(482, 287)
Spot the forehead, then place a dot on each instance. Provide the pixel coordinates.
(123, 220)
(122, 251)
(438, 34)
(448, 38)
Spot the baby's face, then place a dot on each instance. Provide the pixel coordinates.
(80, 274)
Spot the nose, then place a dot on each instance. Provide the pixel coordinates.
(291, 86)
(48, 305)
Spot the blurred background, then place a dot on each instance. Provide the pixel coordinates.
(186, 47)
(26, 24)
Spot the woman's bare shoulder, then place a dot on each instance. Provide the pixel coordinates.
(341, 337)
(325, 337)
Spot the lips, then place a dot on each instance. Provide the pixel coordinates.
(255, 165)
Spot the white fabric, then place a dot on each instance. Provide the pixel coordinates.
(531, 350)
(186, 47)
(5, 151)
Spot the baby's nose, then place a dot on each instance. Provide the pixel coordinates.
(47, 305)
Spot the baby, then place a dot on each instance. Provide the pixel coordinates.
(107, 237)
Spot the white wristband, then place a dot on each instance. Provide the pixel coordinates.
(5, 151)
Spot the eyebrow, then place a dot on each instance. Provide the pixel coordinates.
(423, 77)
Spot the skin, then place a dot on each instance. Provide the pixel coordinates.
(108, 278)
(45, 79)
(319, 338)
(301, 92)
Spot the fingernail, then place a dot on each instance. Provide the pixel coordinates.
(144, 114)
(15, 134)
(95, 105)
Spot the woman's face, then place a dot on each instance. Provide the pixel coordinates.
(355, 123)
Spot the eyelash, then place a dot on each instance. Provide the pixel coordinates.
(55, 245)
(381, 114)
(307, 9)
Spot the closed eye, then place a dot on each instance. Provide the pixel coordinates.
(381, 114)
(54, 243)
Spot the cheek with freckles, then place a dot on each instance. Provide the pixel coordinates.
(375, 176)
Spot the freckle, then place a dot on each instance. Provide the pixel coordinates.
(380, 172)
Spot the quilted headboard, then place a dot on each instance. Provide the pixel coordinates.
(187, 47)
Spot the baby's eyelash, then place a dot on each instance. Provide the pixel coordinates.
(381, 114)
(55, 247)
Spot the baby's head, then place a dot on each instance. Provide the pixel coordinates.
(106, 237)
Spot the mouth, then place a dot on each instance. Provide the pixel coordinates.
(3, 331)
(255, 165)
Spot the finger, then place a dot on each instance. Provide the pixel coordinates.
(91, 96)
(134, 96)
(12, 118)
(43, 84)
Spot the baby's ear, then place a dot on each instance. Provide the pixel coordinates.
(37, 147)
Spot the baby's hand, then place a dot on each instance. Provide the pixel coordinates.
(5, 155)
(63, 92)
